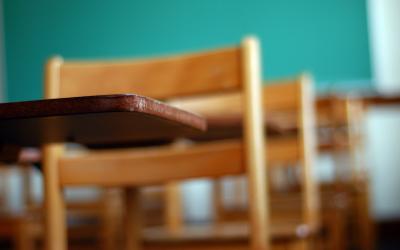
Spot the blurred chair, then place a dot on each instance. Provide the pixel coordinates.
(345, 200)
(289, 108)
(90, 221)
(236, 68)
(21, 225)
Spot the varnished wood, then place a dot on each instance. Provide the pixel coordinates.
(221, 236)
(54, 220)
(254, 143)
(133, 219)
(18, 225)
(233, 245)
(308, 154)
(277, 96)
(174, 206)
(345, 119)
(224, 112)
(363, 220)
(223, 70)
(21, 228)
(152, 165)
(331, 111)
(55, 224)
(111, 214)
(25, 226)
(22, 237)
(55, 216)
(157, 165)
(52, 77)
(298, 147)
(19, 231)
(380, 100)
(225, 232)
(283, 151)
(196, 73)
(117, 119)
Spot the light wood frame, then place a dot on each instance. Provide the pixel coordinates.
(344, 114)
(244, 71)
(294, 97)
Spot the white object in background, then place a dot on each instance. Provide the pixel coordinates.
(382, 152)
(197, 200)
(384, 26)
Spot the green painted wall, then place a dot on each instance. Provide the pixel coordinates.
(326, 37)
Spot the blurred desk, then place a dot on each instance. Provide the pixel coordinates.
(375, 100)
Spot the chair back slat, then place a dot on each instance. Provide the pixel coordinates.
(278, 96)
(282, 95)
(159, 78)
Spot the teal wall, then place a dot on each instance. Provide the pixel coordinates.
(326, 37)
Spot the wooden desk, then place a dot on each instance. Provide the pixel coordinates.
(105, 119)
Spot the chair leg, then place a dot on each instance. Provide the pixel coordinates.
(133, 219)
(23, 240)
(254, 147)
(55, 223)
(338, 229)
(217, 200)
(364, 223)
(110, 219)
(173, 205)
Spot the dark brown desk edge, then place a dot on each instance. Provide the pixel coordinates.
(100, 104)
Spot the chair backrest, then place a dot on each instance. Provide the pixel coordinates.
(341, 118)
(159, 78)
(279, 96)
(294, 98)
(290, 105)
(306, 122)
(202, 73)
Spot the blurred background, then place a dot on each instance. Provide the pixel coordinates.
(350, 47)
(328, 38)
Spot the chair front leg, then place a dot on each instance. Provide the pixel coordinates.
(133, 219)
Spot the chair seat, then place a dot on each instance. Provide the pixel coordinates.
(80, 225)
(232, 231)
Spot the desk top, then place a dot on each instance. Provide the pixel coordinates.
(94, 119)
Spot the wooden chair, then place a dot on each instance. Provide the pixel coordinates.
(24, 225)
(289, 106)
(236, 68)
(345, 200)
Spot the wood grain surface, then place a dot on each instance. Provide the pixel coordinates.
(94, 119)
